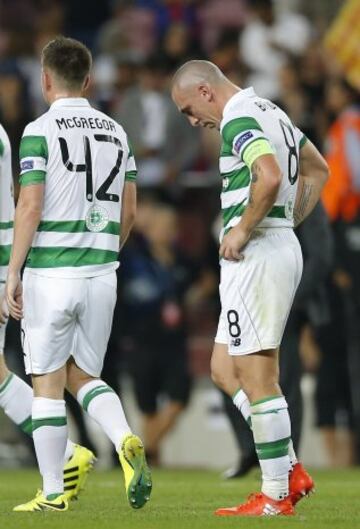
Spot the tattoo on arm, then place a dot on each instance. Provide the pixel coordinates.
(254, 178)
(304, 200)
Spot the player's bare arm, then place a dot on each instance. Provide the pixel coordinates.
(3, 311)
(265, 182)
(314, 173)
(27, 218)
(128, 211)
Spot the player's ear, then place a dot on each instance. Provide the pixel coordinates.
(46, 80)
(205, 91)
(86, 83)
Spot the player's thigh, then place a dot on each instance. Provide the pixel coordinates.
(94, 323)
(48, 325)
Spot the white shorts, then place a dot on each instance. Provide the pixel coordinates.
(2, 327)
(67, 317)
(257, 293)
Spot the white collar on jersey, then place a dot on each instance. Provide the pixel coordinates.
(246, 92)
(70, 102)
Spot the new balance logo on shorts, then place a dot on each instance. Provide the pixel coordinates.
(236, 342)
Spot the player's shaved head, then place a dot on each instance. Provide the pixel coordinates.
(200, 90)
(196, 72)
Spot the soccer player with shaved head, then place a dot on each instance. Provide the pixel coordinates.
(272, 177)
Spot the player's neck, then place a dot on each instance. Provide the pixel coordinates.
(229, 90)
(63, 95)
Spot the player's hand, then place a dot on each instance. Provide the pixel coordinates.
(233, 243)
(4, 313)
(14, 295)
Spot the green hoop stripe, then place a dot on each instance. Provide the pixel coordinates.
(232, 211)
(48, 421)
(266, 399)
(34, 147)
(2, 147)
(26, 426)
(237, 179)
(226, 151)
(6, 382)
(5, 252)
(76, 226)
(235, 393)
(130, 176)
(274, 449)
(32, 177)
(6, 225)
(59, 256)
(238, 125)
(303, 141)
(274, 410)
(237, 210)
(99, 390)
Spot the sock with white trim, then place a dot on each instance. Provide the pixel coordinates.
(49, 430)
(271, 428)
(102, 404)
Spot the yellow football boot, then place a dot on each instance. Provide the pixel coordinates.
(76, 471)
(137, 474)
(41, 503)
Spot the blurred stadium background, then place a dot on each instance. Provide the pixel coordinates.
(303, 54)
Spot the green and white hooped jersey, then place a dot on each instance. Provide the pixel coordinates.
(83, 158)
(6, 203)
(252, 126)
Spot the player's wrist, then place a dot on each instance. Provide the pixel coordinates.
(13, 272)
(244, 228)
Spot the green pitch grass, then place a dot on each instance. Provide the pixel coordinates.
(181, 500)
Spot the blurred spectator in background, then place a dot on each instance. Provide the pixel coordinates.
(166, 12)
(342, 201)
(218, 18)
(154, 281)
(164, 144)
(15, 111)
(266, 42)
(226, 56)
(178, 46)
(130, 28)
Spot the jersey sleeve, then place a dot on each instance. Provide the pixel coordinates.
(247, 139)
(131, 171)
(33, 156)
(300, 137)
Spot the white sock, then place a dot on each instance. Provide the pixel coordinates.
(104, 406)
(243, 405)
(271, 428)
(16, 398)
(292, 455)
(50, 436)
